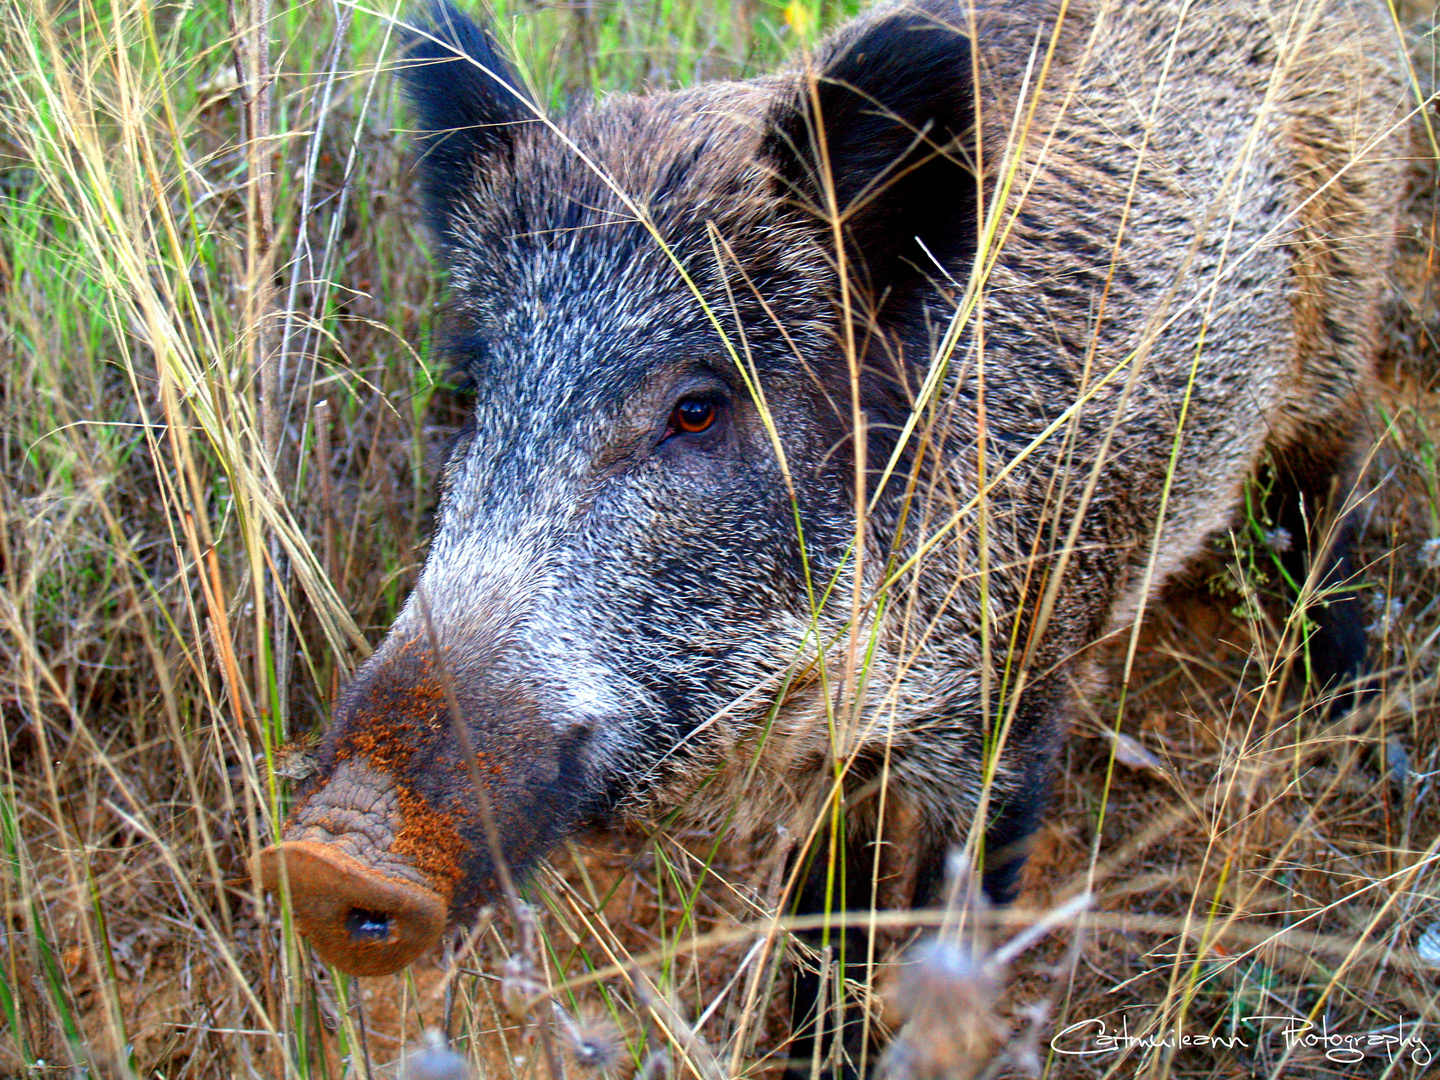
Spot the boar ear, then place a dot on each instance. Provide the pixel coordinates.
(885, 121)
(467, 103)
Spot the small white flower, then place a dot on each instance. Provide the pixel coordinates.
(433, 1060)
(1387, 613)
(1427, 945)
(1278, 539)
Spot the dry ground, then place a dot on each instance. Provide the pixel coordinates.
(1244, 857)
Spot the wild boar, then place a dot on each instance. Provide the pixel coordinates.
(824, 422)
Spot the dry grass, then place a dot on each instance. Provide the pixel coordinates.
(217, 433)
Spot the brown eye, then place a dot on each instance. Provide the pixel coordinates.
(693, 416)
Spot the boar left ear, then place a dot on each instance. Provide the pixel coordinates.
(884, 120)
(468, 103)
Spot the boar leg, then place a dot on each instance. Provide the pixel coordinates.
(1316, 544)
(818, 1022)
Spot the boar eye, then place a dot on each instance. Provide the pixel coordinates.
(693, 415)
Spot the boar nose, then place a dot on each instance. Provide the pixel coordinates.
(358, 920)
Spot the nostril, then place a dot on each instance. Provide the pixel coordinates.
(363, 925)
(362, 921)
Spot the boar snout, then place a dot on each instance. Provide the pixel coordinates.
(357, 919)
(433, 778)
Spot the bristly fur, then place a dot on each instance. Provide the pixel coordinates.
(1173, 217)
